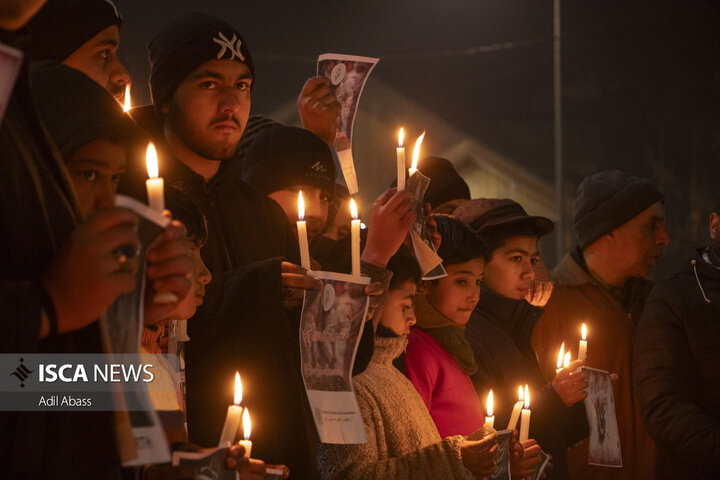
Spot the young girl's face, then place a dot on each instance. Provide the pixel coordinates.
(398, 314)
(199, 277)
(456, 295)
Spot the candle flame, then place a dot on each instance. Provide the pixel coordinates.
(526, 398)
(246, 424)
(301, 207)
(521, 393)
(566, 360)
(416, 152)
(401, 137)
(151, 160)
(353, 209)
(584, 332)
(561, 354)
(489, 409)
(128, 103)
(238, 390)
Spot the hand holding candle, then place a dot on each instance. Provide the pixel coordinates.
(525, 417)
(416, 155)
(401, 161)
(582, 351)
(234, 414)
(355, 239)
(302, 233)
(516, 410)
(246, 443)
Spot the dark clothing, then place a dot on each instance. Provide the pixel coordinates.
(38, 213)
(499, 331)
(676, 371)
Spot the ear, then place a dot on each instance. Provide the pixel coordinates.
(714, 226)
(422, 288)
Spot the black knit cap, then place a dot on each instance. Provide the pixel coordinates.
(445, 183)
(187, 42)
(76, 110)
(283, 157)
(63, 26)
(484, 214)
(607, 200)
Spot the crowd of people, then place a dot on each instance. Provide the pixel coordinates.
(430, 351)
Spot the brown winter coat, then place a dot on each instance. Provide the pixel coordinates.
(578, 298)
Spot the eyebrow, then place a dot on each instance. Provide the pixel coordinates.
(465, 272)
(524, 252)
(217, 76)
(90, 161)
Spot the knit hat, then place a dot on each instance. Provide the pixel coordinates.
(607, 200)
(63, 26)
(187, 42)
(76, 110)
(445, 183)
(283, 157)
(483, 214)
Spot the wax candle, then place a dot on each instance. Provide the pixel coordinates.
(302, 233)
(582, 350)
(561, 356)
(154, 184)
(566, 360)
(233, 417)
(516, 410)
(128, 103)
(416, 154)
(401, 161)
(525, 416)
(490, 418)
(246, 433)
(355, 239)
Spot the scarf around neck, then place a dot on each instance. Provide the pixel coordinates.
(450, 336)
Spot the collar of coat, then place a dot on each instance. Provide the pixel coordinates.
(514, 316)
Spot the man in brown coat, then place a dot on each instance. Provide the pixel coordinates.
(619, 231)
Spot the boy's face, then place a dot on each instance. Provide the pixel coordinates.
(398, 314)
(317, 202)
(510, 272)
(95, 169)
(199, 278)
(456, 295)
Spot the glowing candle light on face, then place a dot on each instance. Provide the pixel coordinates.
(516, 410)
(401, 161)
(246, 433)
(525, 416)
(302, 233)
(155, 185)
(234, 414)
(355, 239)
(416, 154)
(582, 351)
(561, 356)
(490, 418)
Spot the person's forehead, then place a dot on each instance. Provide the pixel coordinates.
(656, 210)
(525, 243)
(109, 36)
(472, 267)
(221, 68)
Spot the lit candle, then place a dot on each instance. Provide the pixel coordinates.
(416, 154)
(128, 104)
(154, 184)
(302, 234)
(401, 161)
(355, 237)
(234, 414)
(582, 351)
(490, 418)
(246, 433)
(561, 356)
(566, 360)
(516, 410)
(525, 417)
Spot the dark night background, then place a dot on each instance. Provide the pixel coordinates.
(641, 80)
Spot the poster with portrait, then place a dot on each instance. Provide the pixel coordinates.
(428, 259)
(502, 456)
(347, 75)
(331, 324)
(10, 63)
(604, 449)
(208, 464)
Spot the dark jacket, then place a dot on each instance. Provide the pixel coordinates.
(38, 213)
(499, 331)
(677, 374)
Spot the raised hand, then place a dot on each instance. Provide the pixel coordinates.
(319, 109)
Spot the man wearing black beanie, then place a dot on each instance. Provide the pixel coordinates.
(619, 230)
(84, 35)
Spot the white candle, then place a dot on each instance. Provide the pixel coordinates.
(525, 417)
(566, 360)
(246, 433)
(515, 416)
(582, 351)
(401, 161)
(355, 239)
(416, 154)
(490, 418)
(154, 184)
(233, 417)
(302, 234)
(561, 356)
